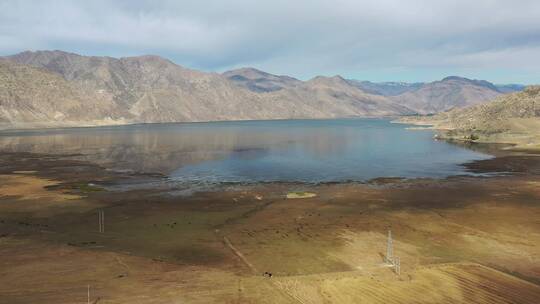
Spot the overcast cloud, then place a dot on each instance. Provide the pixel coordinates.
(414, 40)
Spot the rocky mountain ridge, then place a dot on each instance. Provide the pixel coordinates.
(423, 98)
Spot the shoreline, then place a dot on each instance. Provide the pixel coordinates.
(10, 128)
(444, 133)
(472, 169)
(127, 180)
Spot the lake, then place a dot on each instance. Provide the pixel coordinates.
(310, 151)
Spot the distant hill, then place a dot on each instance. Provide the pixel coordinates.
(398, 88)
(512, 118)
(423, 98)
(259, 81)
(509, 88)
(449, 93)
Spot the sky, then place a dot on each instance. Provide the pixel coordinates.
(383, 40)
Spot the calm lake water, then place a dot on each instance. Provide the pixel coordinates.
(255, 151)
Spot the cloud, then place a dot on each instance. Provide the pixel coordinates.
(302, 38)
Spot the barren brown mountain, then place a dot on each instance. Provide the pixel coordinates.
(37, 97)
(423, 98)
(451, 92)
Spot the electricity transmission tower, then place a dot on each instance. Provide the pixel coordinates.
(389, 249)
(390, 259)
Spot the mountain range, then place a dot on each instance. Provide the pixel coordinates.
(422, 98)
(57, 89)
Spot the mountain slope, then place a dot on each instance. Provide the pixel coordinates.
(512, 118)
(451, 92)
(29, 94)
(104, 90)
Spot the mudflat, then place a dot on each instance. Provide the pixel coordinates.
(461, 239)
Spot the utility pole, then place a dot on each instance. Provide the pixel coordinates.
(101, 216)
(390, 259)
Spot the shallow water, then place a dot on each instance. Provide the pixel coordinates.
(258, 151)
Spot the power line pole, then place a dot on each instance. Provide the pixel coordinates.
(101, 216)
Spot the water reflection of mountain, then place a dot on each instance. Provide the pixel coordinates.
(166, 148)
